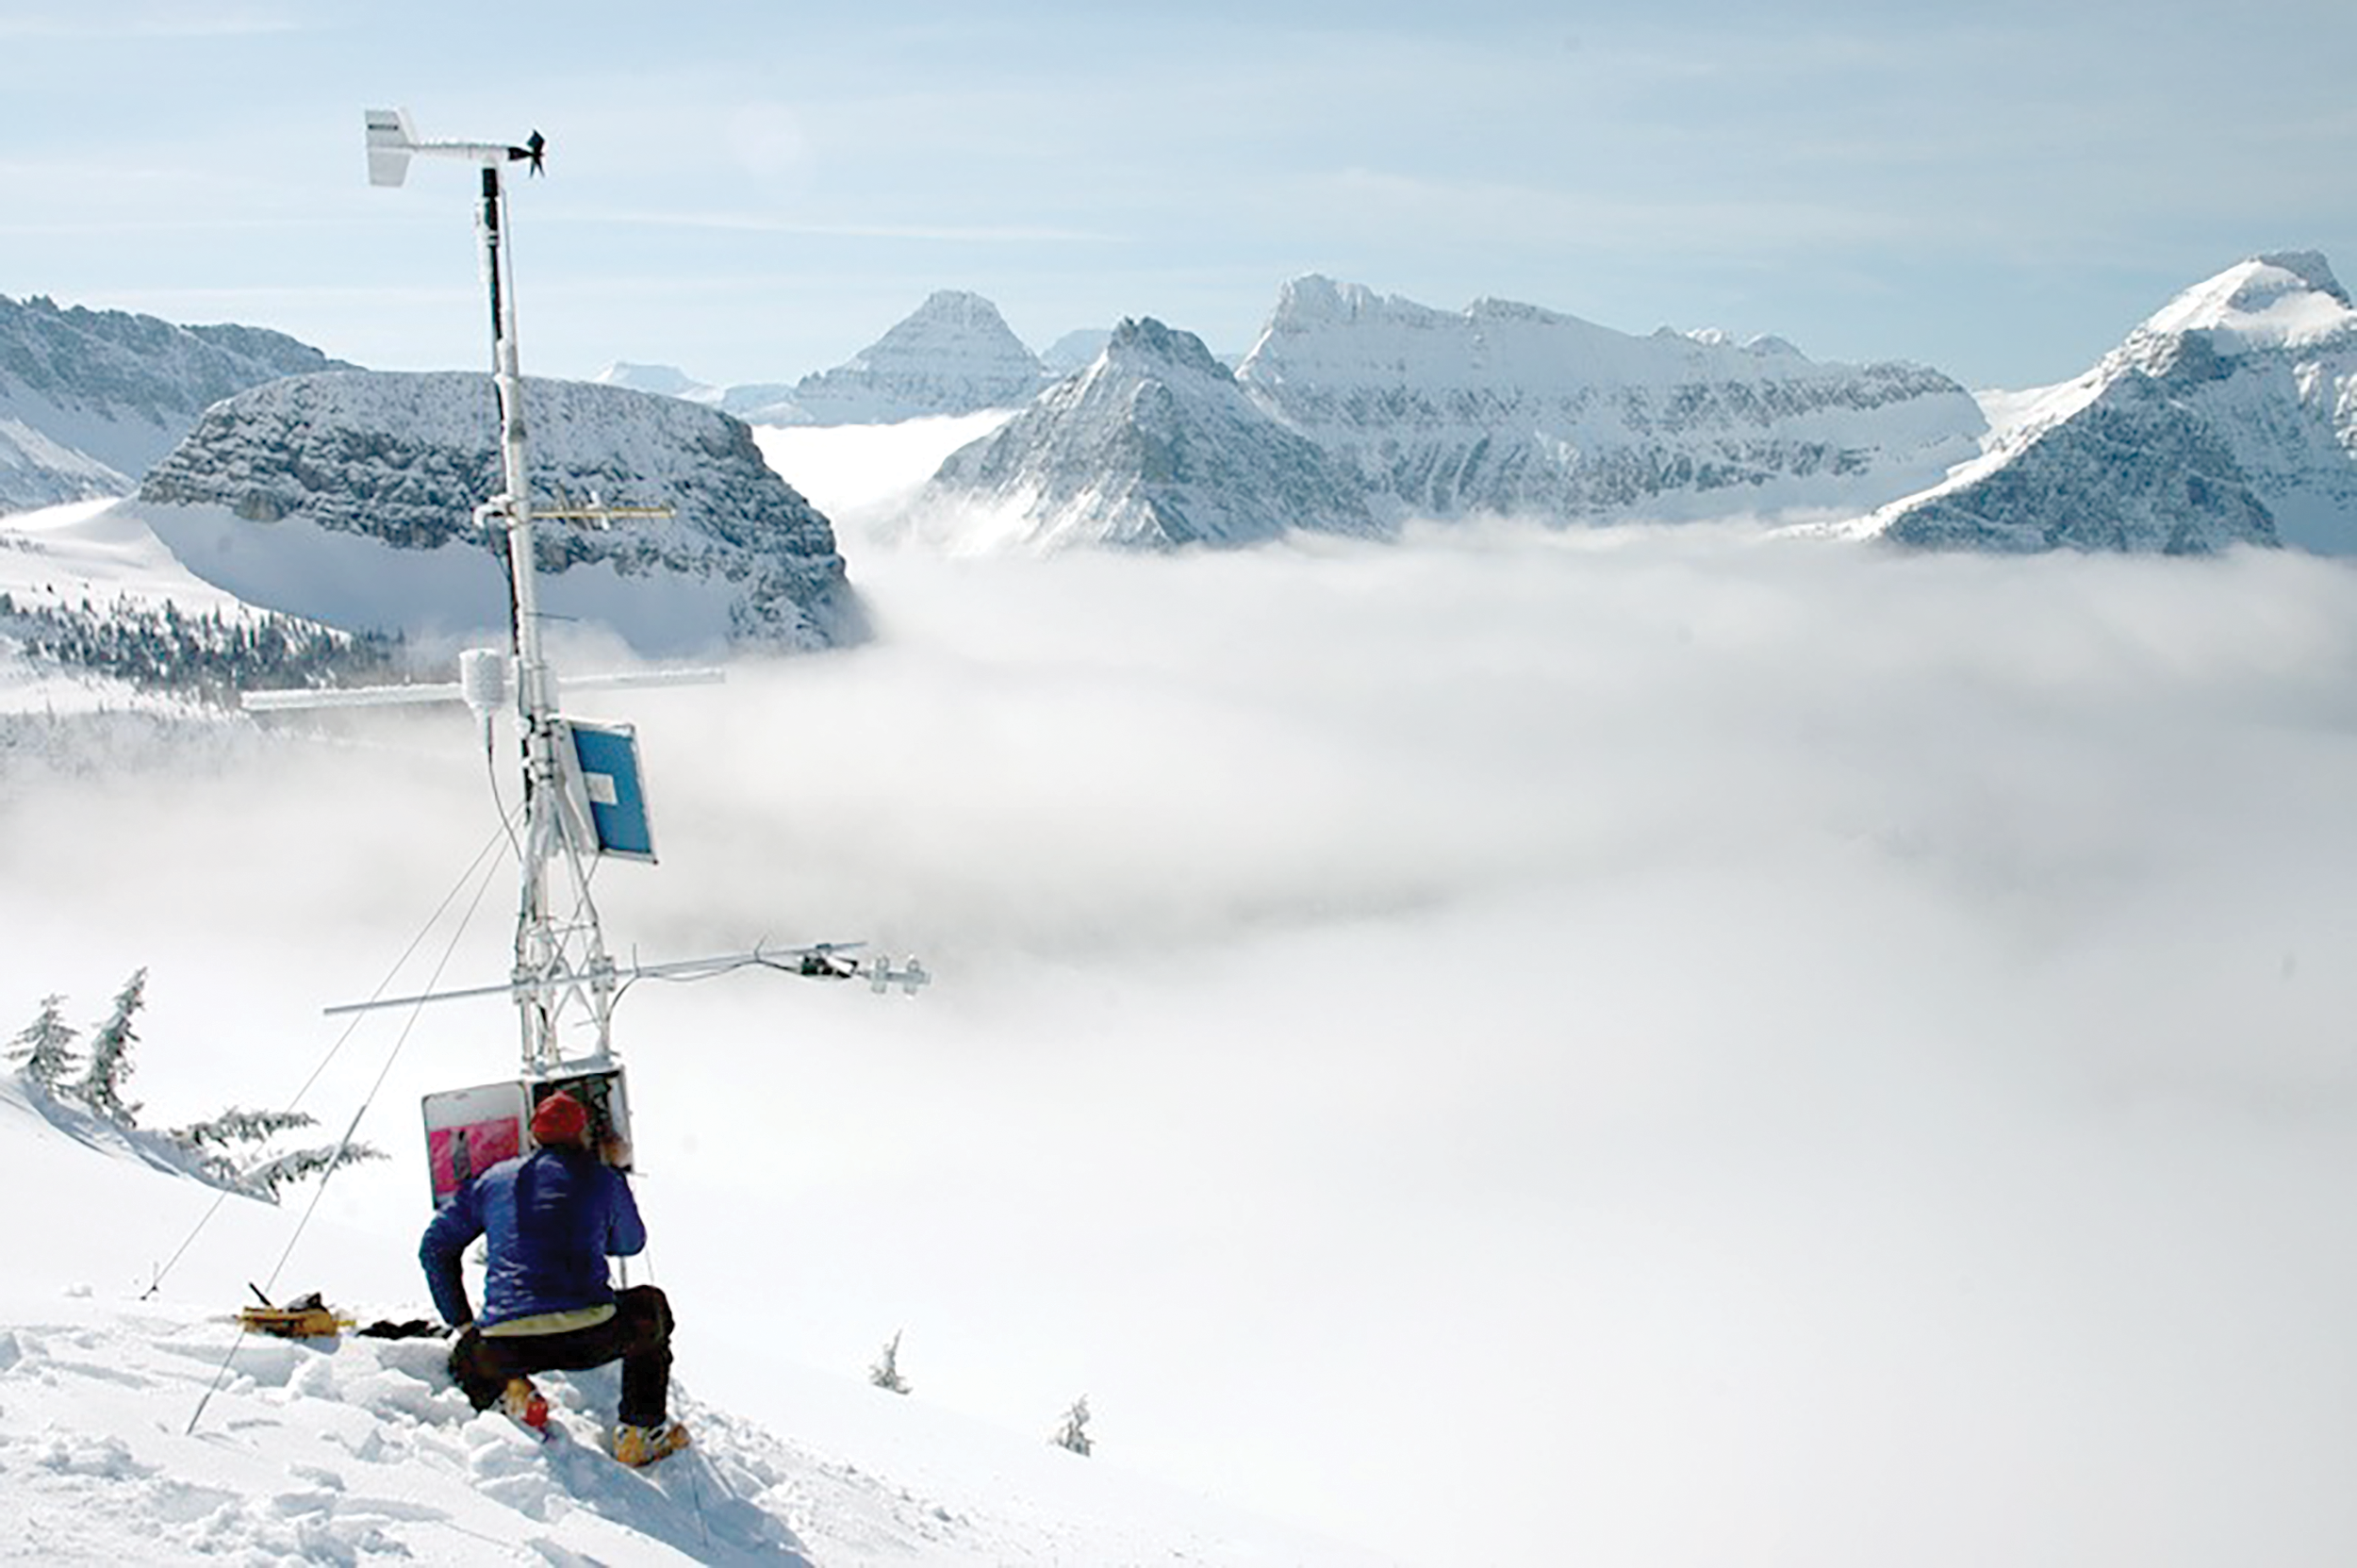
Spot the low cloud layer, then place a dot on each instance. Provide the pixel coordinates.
(1633, 1047)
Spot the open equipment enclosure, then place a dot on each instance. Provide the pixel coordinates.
(469, 1130)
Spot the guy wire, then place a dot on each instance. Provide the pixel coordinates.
(223, 1196)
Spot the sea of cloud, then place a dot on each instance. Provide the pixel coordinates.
(1665, 1046)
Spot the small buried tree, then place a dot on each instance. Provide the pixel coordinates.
(885, 1374)
(1074, 1433)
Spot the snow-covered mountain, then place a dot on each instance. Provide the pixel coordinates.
(1511, 410)
(2228, 417)
(1153, 446)
(1356, 412)
(88, 399)
(348, 498)
(955, 354)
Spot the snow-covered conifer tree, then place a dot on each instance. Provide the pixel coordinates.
(283, 1170)
(211, 1140)
(235, 1126)
(44, 1048)
(111, 1066)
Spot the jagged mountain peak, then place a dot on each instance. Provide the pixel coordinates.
(949, 320)
(1145, 346)
(958, 307)
(1314, 305)
(2310, 266)
(953, 354)
(2284, 298)
(1154, 446)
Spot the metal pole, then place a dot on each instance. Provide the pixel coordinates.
(544, 977)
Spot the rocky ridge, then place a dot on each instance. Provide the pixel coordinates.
(88, 399)
(1510, 409)
(278, 484)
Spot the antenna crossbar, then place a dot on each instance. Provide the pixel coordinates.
(816, 961)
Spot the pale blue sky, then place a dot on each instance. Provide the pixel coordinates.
(751, 192)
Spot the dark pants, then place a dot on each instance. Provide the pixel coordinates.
(640, 1333)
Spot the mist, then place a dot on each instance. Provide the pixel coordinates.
(1652, 1047)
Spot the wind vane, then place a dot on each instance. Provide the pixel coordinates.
(585, 796)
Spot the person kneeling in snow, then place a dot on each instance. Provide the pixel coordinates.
(552, 1218)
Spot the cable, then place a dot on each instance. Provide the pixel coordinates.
(491, 767)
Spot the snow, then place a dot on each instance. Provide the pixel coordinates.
(148, 1430)
(36, 468)
(2280, 302)
(1511, 408)
(450, 596)
(100, 551)
(122, 442)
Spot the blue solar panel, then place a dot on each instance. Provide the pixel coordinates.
(617, 793)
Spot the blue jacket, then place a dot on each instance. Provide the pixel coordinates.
(553, 1216)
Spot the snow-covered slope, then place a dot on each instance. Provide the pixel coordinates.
(1512, 409)
(89, 399)
(348, 498)
(955, 354)
(1153, 446)
(2228, 417)
(36, 470)
(147, 1430)
(96, 614)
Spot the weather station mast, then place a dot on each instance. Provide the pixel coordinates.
(561, 965)
(584, 792)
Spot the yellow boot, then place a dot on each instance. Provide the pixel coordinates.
(641, 1445)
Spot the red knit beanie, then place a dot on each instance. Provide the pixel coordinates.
(559, 1119)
